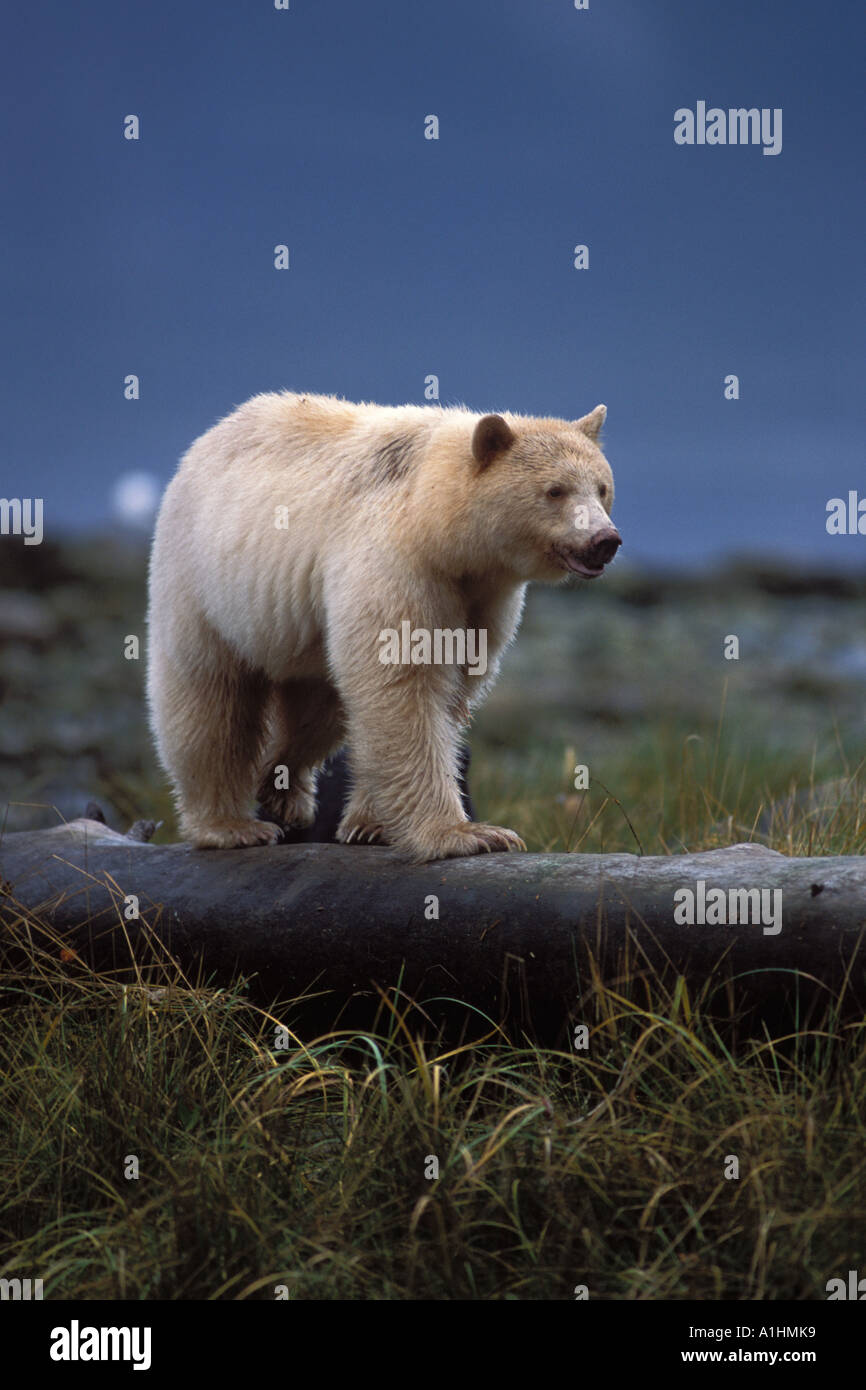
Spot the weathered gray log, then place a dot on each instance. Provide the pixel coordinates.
(511, 938)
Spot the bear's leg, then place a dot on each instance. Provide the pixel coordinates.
(361, 825)
(306, 722)
(208, 716)
(404, 752)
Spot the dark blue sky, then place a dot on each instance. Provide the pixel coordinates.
(454, 257)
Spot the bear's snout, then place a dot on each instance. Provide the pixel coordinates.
(602, 547)
(589, 560)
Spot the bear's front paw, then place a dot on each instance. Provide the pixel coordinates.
(468, 837)
(360, 830)
(234, 834)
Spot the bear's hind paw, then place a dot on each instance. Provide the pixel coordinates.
(295, 809)
(235, 834)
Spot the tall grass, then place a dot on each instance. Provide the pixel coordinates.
(162, 1138)
(681, 788)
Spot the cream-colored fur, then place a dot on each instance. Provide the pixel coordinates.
(264, 625)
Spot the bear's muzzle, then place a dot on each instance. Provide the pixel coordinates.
(589, 561)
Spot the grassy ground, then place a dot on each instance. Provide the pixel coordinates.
(159, 1142)
(309, 1165)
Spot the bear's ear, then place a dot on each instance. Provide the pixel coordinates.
(591, 424)
(492, 436)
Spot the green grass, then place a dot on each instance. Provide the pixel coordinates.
(681, 788)
(304, 1166)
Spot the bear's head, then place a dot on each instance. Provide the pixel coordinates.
(551, 490)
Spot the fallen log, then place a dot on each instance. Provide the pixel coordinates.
(510, 935)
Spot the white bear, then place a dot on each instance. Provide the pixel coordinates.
(299, 535)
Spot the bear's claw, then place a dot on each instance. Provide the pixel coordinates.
(361, 835)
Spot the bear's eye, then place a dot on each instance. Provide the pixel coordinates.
(602, 490)
(556, 491)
